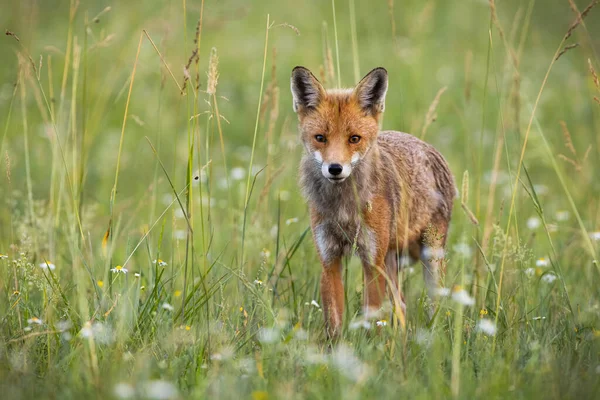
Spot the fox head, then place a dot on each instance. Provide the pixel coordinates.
(338, 127)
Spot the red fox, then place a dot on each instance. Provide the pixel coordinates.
(387, 195)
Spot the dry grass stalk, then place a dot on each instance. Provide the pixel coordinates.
(595, 79)
(392, 19)
(7, 162)
(213, 72)
(569, 145)
(468, 65)
(464, 200)
(9, 33)
(567, 48)
(496, 23)
(286, 25)
(580, 17)
(431, 113)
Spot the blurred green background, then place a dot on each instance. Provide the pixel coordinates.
(462, 77)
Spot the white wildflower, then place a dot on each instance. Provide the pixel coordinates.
(48, 264)
(382, 322)
(160, 390)
(595, 236)
(167, 306)
(265, 254)
(160, 262)
(63, 325)
(348, 364)
(34, 320)
(301, 334)
(442, 292)
(100, 332)
(358, 324)
(424, 337)
(486, 326)
(533, 223)
(290, 221)
(463, 249)
(542, 262)
(179, 214)
(137, 274)
(313, 356)
(124, 390)
(258, 282)
(530, 271)
(268, 335)
(284, 195)
(3, 256)
(119, 269)
(238, 173)
(540, 189)
(549, 277)
(462, 297)
(225, 354)
(315, 304)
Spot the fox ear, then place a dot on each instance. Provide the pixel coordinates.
(371, 91)
(306, 89)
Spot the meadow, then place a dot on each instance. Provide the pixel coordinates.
(154, 242)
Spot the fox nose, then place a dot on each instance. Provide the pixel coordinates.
(335, 169)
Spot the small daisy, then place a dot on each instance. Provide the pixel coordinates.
(34, 320)
(48, 264)
(533, 223)
(595, 236)
(530, 271)
(315, 304)
(160, 390)
(463, 249)
(238, 173)
(124, 391)
(268, 335)
(461, 296)
(258, 282)
(382, 322)
(3, 256)
(291, 221)
(487, 326)
(160, 263)
(443, 292)
(168, 307)
(265, 254)
(119, 269)
(284, 195)
(549, 278)
(562, 215)
(358, 324)
(542, 262)
(137, 274)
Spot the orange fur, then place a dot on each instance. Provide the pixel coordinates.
(384, 193)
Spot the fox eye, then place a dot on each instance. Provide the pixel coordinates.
(320, 138)
(354, 139)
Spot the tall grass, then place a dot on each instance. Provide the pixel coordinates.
(201, 281)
